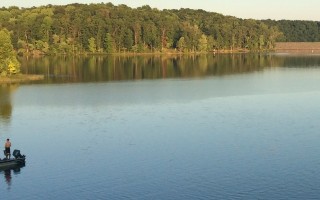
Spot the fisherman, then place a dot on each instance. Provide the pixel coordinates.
(7, 146)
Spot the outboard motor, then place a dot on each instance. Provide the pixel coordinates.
(16, 154)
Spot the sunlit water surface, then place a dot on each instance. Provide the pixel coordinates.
(243, 136)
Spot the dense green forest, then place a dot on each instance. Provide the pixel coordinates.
(105, 28)
(296, 31)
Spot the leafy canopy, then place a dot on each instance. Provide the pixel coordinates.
(8, 62)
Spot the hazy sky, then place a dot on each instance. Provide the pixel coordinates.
(256, 9)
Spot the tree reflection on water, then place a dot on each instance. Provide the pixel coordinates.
(6, 91)
(80, 68)
(95, 68)
(59, 69)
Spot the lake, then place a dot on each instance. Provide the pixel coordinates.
(236, 126)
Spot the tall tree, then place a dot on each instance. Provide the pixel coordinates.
(92, 45)
(8, 62)
(109, 43)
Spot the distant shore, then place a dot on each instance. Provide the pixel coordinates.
(298, 47)
(21, 78)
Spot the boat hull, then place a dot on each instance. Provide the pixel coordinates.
(5, 163)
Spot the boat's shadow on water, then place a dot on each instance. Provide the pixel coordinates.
(7, 173)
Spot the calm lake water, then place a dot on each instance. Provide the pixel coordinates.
(166, 127)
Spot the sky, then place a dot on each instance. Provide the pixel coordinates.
(255, 9)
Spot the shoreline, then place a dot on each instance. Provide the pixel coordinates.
(143, 53)
(298, 47)
(21, 78)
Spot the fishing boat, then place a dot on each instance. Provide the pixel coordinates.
(18, 160)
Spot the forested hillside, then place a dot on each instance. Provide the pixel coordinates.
(297, 31)
(105, 28)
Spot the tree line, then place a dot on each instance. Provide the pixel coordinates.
(296, 30)
(105, 28)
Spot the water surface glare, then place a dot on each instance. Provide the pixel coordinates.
(241, 136)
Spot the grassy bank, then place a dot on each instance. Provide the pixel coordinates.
(21, 78)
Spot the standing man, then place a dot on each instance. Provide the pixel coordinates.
(7, 146)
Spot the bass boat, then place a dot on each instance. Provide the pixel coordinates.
(18, 160)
